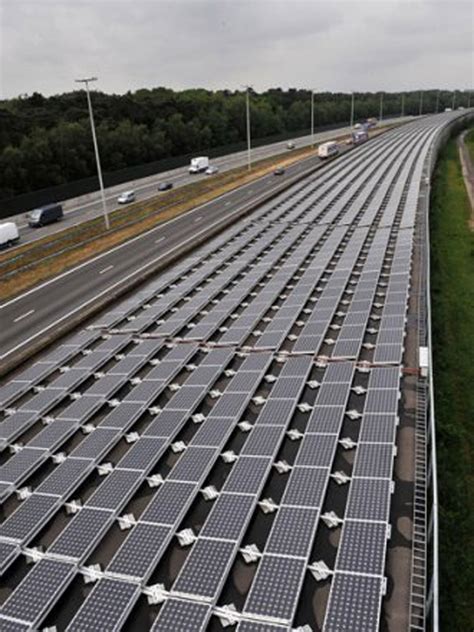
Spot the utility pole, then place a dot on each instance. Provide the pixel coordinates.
(403, 105)
(381, 107)
(352, 111)
(312, 119)
(247, 109)
(421, 103)
(437, 102)
(96, 148)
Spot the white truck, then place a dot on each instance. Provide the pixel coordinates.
(326, 150)
(9, 234)
(199, 164)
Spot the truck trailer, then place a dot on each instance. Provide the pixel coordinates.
(199, 164)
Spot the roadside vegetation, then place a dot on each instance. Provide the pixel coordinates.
(452, 274)
(46, 142)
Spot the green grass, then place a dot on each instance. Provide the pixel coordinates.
(452, 275)
(469, 142)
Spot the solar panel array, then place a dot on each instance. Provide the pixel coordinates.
(231, 387)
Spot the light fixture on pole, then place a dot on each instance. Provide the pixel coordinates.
(352, 110)
(381, 107)
(96, 147)
(247, 110)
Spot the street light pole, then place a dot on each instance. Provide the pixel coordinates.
(312, 119)
(96, 148)
(381, 107)
(352, 111)
(247, 109)
(421, 103)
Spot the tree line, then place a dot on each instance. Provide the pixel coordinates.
(46, 141)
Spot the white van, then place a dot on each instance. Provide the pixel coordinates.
(326, 150)
(9, 234)
(126, 197)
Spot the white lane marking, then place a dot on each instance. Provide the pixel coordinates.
(227, 204)
(198, 219)
(159, 240)
(106, 269)
(17, 320)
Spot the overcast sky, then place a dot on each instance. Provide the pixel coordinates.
(330, 45)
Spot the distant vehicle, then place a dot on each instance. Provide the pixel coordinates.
(448, 109)
(461, 107)
(371, 122)
(45, 215)
(9, 234)
(211, 170)
(290, 144)
(326, 150)
(357, 126)
(126, 197)
(199, 164)
(279, 171)
(360, 136)
(165, 186)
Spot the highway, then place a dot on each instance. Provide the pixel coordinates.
(41, 309)
(88, 206)
(259, 403)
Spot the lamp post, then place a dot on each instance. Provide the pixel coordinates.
(352, 110)
(96, 148)
(247, 110)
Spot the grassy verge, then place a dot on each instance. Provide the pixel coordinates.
(469, 142)
(452, 274)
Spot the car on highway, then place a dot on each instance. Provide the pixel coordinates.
(45, 215)
(126, 197)
(279, 171)
(211, 170)
(9, 234)
(290, 144)
(165, 186)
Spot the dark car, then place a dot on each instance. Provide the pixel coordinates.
(45, 215)
(165, 186)
(279, 171)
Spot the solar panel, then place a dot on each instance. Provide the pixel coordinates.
(204, 569)
(354, 603)
(254, 626)
(374, 460)
(8, 552)
(185, 616)
(54, 434)
(144, 454)
(123, 416)
(106, 607)
(276, 412)
(169, 503)
(382, 401)
(229, 516)
(213, 432)
(263, 441)
(193, 465)
(21, 464)
(317, 451)
(167, 423)
(97, 443)
(29, 517)
(306, 487)
(140, 551)
(38, 591)
(65, 477)
(292, 531)
(378, 429)
(326, 419)
(81, 533)
(115, 490)
(275, 589)
(369, 499)
(7, 625)
(247, 475)
(362, 547)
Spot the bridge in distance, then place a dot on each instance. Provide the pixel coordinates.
(239, 439)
